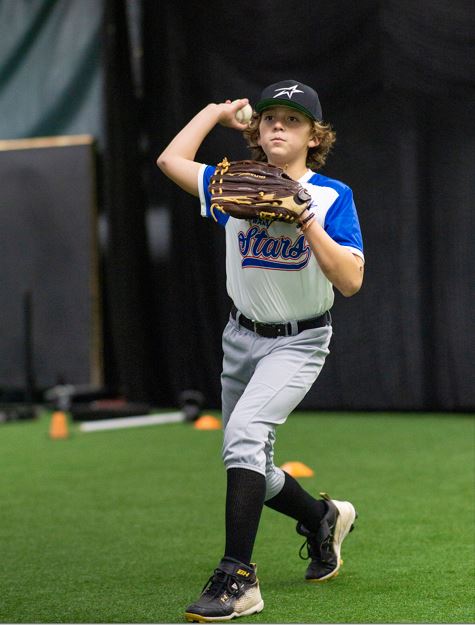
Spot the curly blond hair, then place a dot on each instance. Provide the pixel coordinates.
(316, 157)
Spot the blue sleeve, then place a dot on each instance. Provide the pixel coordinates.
(341, 221)
(205, 197)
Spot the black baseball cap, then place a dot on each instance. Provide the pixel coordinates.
(294, 94)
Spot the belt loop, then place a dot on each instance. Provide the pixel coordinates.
(294, 328)
(235, 314)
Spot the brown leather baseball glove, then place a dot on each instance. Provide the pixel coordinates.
(248, 189)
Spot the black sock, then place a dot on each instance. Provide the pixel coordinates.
(244, 501)
(295, 502)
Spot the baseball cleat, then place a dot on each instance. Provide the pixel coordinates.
(232, 591)
(324, 545)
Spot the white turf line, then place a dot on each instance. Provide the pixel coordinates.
(132, 422)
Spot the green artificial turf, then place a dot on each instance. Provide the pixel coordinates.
(126, 526)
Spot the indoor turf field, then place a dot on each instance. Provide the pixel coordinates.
(125, 526)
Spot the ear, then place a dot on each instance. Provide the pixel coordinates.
(313, 142)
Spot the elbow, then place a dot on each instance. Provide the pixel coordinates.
(166, 161)
(162, 162)
(350, 288)
(352, 282)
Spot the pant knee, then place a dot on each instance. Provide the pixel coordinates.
(243, 449)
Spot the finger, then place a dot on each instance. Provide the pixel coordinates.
(240, 102)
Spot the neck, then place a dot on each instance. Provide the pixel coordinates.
(294, 170)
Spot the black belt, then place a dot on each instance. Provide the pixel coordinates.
(273, 330)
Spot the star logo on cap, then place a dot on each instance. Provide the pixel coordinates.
(288, 91)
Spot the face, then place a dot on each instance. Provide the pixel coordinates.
(285, 135)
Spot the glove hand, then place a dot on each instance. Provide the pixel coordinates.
(248, 189)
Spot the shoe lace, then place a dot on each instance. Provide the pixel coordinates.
(221, 581)
(310, 550)
(316, 549)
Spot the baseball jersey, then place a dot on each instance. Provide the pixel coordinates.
(272, 275)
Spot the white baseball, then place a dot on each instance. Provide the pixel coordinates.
(244, 115)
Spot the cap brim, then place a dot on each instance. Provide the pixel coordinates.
(271, 102)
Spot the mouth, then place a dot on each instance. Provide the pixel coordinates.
(277, 140)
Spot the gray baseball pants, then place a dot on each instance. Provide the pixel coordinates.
(263, 380)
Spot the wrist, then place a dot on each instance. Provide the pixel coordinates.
(306, 218)
(211, 110)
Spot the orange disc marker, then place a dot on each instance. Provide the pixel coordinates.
(297, 469)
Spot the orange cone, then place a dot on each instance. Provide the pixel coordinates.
(297, 469)
(207, 422)
(58, 428)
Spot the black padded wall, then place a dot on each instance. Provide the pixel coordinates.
(48, 239)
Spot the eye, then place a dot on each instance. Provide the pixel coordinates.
(268, 118)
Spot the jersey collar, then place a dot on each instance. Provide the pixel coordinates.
(306, 177)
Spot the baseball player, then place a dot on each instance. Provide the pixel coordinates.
(280, 278)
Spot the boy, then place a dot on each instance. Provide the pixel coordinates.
(280, 278)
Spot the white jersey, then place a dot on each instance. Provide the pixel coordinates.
(272, 275)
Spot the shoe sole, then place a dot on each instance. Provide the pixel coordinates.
(198, 618)
(345, 523)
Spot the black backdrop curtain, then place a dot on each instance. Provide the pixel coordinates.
(396, 80)
(126, 269)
